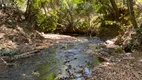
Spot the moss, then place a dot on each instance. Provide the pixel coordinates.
(51, 77)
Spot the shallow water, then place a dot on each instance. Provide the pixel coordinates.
(62, 61)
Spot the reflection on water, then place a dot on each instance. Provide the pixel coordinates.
(73, 61)
(63, 61)
(87, 71)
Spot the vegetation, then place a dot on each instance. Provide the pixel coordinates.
(80, 16)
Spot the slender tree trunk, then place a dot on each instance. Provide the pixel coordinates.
(114, 5)
(27, 9)
(131, 13)
(107, 6)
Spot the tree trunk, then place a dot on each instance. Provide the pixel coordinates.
(113, 3)
(131, 13)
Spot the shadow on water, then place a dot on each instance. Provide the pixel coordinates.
(63, 61)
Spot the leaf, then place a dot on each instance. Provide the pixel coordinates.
(76, 1)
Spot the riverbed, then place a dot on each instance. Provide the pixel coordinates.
(71, 60)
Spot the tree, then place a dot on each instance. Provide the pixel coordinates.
(131, 13)
(113, 3)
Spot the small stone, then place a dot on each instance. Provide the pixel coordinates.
(69, 66)
(75, 58)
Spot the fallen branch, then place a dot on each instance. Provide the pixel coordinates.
(7, 59)
(5, 62)
(24, 55)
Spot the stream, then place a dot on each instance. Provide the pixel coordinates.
(63, 61)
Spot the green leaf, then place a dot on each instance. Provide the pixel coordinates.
(76, 1)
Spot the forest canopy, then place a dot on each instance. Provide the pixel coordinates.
(79, 16)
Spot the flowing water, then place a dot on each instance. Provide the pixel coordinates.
(62, 61)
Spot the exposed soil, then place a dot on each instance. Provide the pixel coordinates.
(127, 68)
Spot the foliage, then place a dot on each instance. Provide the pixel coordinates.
(83, 16)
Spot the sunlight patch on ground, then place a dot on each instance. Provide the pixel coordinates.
(56, 36)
